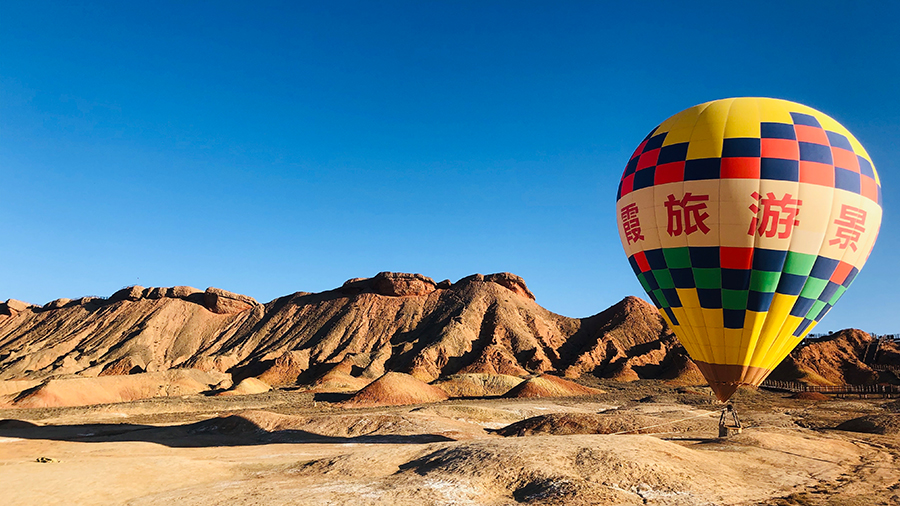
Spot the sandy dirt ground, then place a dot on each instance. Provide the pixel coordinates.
(289, 447)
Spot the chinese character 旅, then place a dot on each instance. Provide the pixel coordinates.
(686, 216)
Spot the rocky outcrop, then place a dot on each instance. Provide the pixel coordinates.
(398, 284)
(628, 340)
(224, 302)
(13, 307)
(845, 357)
(18, 305)
(182, 292)
(342, 339)
(56, 304)
(157, 292)
(123, 366)
(512, 282)
(286, 368)
(131, 293)
(495, 359)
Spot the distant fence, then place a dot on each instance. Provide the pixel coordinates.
(794, 386)
(884, 337)
(885, 367)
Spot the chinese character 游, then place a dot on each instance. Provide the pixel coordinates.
(779, 216)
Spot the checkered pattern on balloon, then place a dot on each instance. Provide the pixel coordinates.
(745, 220)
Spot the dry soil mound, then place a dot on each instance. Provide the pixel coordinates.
(547, 385)
(394, 389)
(562, 424)
(237, 425)
(477, 385)
(891, 407)
(810, 396)
(600, 469)
(887, 424)
(274, 427)
(248, 386)
(336, 381)
(111, 389)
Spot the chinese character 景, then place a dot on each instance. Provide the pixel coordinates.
(850, 225)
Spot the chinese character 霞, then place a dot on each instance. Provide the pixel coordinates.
(630, 223)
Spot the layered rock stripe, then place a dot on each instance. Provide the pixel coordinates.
(745, 221)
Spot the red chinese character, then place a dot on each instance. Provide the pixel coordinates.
(630, 223)
(850, 225)
(776, 213)
(685, 214)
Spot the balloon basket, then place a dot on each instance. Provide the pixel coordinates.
(729, 423)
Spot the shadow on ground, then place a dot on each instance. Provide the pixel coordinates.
(222, 431)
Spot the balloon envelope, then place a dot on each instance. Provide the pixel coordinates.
(745, 220)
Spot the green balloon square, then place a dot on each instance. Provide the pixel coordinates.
(643, 281)
(677, 258)
(764, 281)
(661, 298)
(813, 288)
(816, 308)
(708, 278)
(663, 278)
(800, 264)
(734, 299)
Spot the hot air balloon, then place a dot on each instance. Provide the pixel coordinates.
(745, 220)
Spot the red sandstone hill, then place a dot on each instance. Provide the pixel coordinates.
(369, 326)
(394, 389)
(850, 356)
(547, 385)
(351, 335)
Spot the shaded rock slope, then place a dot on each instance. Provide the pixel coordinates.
(850, 356)
(369, 326)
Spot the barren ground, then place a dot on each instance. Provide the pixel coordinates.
(290, 447)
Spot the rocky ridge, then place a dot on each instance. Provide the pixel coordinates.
(850, 356)
(369, 326)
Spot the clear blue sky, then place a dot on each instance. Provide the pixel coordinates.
(267, 148)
